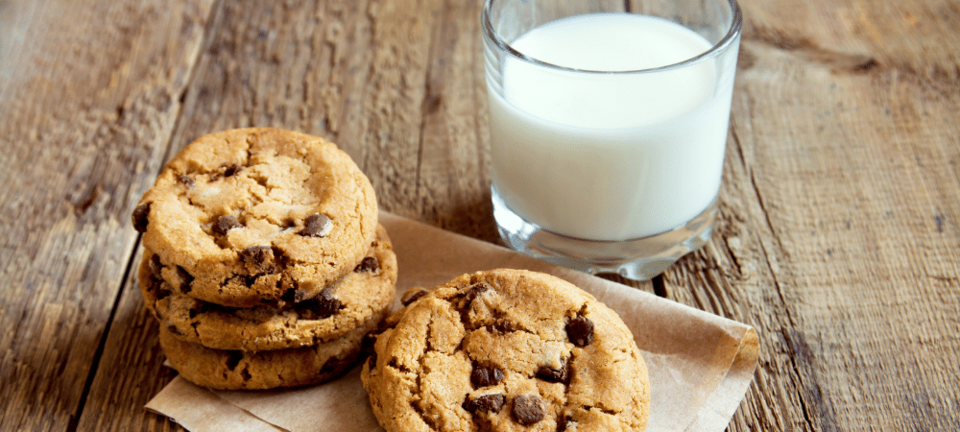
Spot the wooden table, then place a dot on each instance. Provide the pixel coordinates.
(839, 237)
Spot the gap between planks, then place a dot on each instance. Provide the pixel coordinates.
(211, 23)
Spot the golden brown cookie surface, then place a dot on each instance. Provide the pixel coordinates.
(507, 350)
(365, 292)
(247, 215)
(239, 370)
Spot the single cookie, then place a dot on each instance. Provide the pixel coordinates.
(238, 370)
(363, 294)
(507, 350)
(250, 214)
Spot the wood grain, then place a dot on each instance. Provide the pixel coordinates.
(838, 237)
(130, 372)
(452, 181)
(88, 104)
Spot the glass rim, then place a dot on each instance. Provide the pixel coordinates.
(714, 51)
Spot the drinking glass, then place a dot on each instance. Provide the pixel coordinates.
(608, 124)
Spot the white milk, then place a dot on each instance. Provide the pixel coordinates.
(609, 156)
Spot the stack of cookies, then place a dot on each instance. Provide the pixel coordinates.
(263, 259)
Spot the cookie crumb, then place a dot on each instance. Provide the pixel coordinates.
(412, 296)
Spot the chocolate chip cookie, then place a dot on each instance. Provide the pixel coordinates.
(506, 350)
(250, 215)
(361, 295)
(238, 370)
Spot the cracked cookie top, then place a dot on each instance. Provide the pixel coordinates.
(506, 350)
(250, 215)
(360, 296)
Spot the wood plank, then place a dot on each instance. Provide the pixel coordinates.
(88, 101)
(838, 237)
(280, 65)
(453, 185)
(130, 371)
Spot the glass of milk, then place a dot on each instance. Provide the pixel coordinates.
(608, 123)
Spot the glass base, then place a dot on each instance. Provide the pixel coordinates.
(638, 259)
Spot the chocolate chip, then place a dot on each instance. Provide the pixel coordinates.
(233, 359)
(279, 257)
(368, 348)
(185, 179)
(316, 225)
(580, 331)
(484, 376)
(174, 330)
(564, 423)
(367, 344)
(224, 224)
(327, 304)
(161, 294)
(230, 170)
(155, 266)
(412, 296)
(527, 409)
(293, 295)
(185, 279)
(367, 265)
(140, 217)
(561, 375)
(502, 327)
(476, 290)
(491, 403)
(259, 257)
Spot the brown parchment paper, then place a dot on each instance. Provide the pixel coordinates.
(700, 364)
